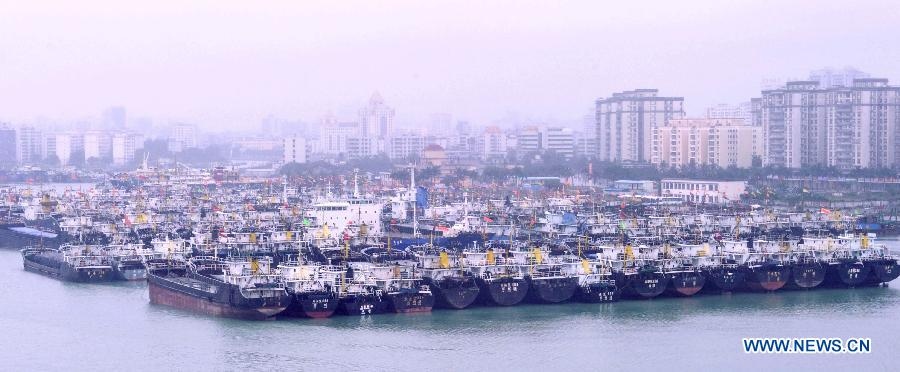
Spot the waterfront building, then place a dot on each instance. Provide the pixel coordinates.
(703, 191)
(624, 123)
(721, 142)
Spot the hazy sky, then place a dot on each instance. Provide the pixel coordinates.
(224, 63)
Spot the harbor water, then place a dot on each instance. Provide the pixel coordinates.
(54, 325)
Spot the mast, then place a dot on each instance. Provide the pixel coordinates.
(412, 190)
(355, 183)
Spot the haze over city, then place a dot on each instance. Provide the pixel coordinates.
(228, 65)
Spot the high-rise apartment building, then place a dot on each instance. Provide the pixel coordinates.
(855, 126)
(559, 140)
(29, 145)
(626, 120)
(7, 146)
(721, 142)
(97, 144)
(377, 119)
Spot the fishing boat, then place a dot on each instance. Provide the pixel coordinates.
(236, 288)
(84, 264)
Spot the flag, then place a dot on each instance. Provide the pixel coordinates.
(421, 197)
(825, 211)
(487, 219)
(127, 221)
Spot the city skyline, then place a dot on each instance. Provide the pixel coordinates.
(301, 62)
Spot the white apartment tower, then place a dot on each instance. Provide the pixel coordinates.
(727, 142)
(626, 120)
(844, 127)
(377, 119)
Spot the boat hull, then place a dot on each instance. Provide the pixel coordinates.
(162, 294)
(767, 278)
(686, 283)
(847, 274)
(410, 302)
(362, 304)
(551, 290)
(883, 271)
(502, 291)
(597, 293)
(454, 293)
(319, 304)
(807, 275)
(724, 279)
(644, 285)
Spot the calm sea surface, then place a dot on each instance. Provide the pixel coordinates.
(51, 325)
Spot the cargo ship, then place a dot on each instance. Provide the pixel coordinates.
(312, 287)
(499, 277)
(236, 288)
(19, 236)
(453, 286)
(403, 288)
(595, 284)
(645, 281)
(549, 282)
(83, 264)
(358, 294)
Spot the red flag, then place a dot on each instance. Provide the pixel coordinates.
(825, 211)
(487, 219)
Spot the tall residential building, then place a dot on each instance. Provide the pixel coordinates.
(124, 145)
(184, 136)
(495, 145)
(333, 135)
(294, 149)
(7, 146)
(529, 140)
(721, 142)
(377, 119)
(97, 144)
(29, 145)
(363, 147)
(832, 78)
(68, 144)
(559, 140)
(845, 127)
(405, 146)
(625, 122)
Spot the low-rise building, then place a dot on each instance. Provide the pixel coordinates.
(703, 191)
